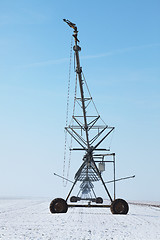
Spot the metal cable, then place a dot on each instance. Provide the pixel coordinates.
(67, 110)
(112, 135)
(90, 93)
(92, 100)
(75, 94)
(70, 147)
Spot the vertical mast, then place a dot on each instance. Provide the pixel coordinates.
(76, 48)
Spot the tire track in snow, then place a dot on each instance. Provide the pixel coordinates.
(33, 221)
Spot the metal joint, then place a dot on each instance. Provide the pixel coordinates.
(78, 70)
(77, 48)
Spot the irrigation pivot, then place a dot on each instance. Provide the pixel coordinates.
(89, 132)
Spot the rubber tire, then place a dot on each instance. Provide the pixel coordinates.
(99, 200)
(58, 205)
(119, 206)
(73, 199)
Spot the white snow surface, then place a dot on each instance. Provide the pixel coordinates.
(31, 219)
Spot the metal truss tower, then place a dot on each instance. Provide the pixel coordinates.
(89, 131)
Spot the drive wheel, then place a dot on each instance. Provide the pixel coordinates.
(99, 200)
(58, 205)
(73, 199)
(119, 206)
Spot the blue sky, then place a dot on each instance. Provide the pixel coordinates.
(120, 56)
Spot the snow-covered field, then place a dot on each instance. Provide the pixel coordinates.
(31, 219)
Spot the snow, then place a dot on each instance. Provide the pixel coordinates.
(30, 219)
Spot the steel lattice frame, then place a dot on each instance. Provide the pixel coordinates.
(88, 171)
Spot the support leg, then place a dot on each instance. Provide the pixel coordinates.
(114, 176)
(71, 189)
(102, 180)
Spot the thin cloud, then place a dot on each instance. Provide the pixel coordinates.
(111, 53)
(22, 16)
(46, 63)
(120, 51)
